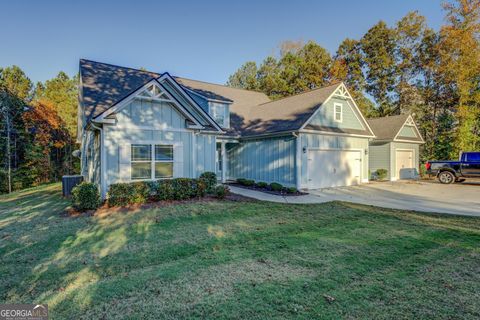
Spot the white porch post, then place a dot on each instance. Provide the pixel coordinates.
(224, 162)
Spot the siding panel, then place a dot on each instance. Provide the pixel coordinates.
(269, 160)
(325, 115)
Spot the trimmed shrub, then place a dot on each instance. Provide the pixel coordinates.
(381, 174)
(182, 188)
(249, 183)
(276, 186)
(122, 194)
(262, 184)
(221, 191)
(164, 190)
(210, 180)
(241, 181)
(86, 196)
(291, 190)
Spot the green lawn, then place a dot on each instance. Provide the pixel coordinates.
(239, 259)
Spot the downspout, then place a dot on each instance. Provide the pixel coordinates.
(298, 160)
(102, 160)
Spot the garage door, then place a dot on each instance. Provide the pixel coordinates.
(333, 168)
(405, 167)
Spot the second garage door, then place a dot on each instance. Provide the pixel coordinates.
(333, 168)
(404, 163)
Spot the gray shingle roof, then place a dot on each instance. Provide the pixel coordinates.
(251, 112)
(387, 128)
(286, 114)
(103, 85)
(243, 100)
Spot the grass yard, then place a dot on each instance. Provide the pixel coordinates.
(226, 259)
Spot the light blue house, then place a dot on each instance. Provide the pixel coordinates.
(139, 125)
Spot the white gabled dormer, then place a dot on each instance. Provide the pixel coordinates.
(219, 110)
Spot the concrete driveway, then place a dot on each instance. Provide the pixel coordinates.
(428, 196)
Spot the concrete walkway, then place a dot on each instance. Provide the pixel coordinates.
(462, 199)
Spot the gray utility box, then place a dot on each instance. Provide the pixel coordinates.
(68, 182)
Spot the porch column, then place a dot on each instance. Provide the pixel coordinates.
(224, 162)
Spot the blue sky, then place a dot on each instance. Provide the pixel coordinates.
(204, 40)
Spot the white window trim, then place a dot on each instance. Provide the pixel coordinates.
(226, 113)
(335, 105)
(152, 161)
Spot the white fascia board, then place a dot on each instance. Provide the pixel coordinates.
(169, 78)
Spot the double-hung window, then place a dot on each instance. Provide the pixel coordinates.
(163, 161)
(151, 161)
(338, 112)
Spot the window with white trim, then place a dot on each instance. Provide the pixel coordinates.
(219, 113)
(338, 112)
(151, 161)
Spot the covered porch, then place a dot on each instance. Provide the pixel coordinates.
(222, 163)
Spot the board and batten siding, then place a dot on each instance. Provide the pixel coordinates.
(407, 131)
(379, 158)
(406, 146)
(325, 115)
(268, 160)
(155, 123)
(330, 142)
(91, 157)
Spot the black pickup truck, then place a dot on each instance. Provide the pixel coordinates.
(468, 166)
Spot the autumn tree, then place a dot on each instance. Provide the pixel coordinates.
(459, 51)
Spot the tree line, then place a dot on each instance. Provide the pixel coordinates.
(38, 126)
(404, 68)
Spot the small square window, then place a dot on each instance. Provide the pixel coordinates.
(338, 112)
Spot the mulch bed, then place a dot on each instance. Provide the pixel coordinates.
(268, 190)
(106, 210)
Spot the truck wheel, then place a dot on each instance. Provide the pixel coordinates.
(446, 177)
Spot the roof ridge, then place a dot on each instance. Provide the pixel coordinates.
(304, 92)
(394, 116)
(221, 85)
(123, 67)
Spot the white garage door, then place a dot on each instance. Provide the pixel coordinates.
(405, 168)
(333, 168)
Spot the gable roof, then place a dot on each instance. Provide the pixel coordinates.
(387, 128)
(288, 113)
(241, 100)
(103, 85)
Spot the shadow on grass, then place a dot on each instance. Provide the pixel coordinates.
(226, 259)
